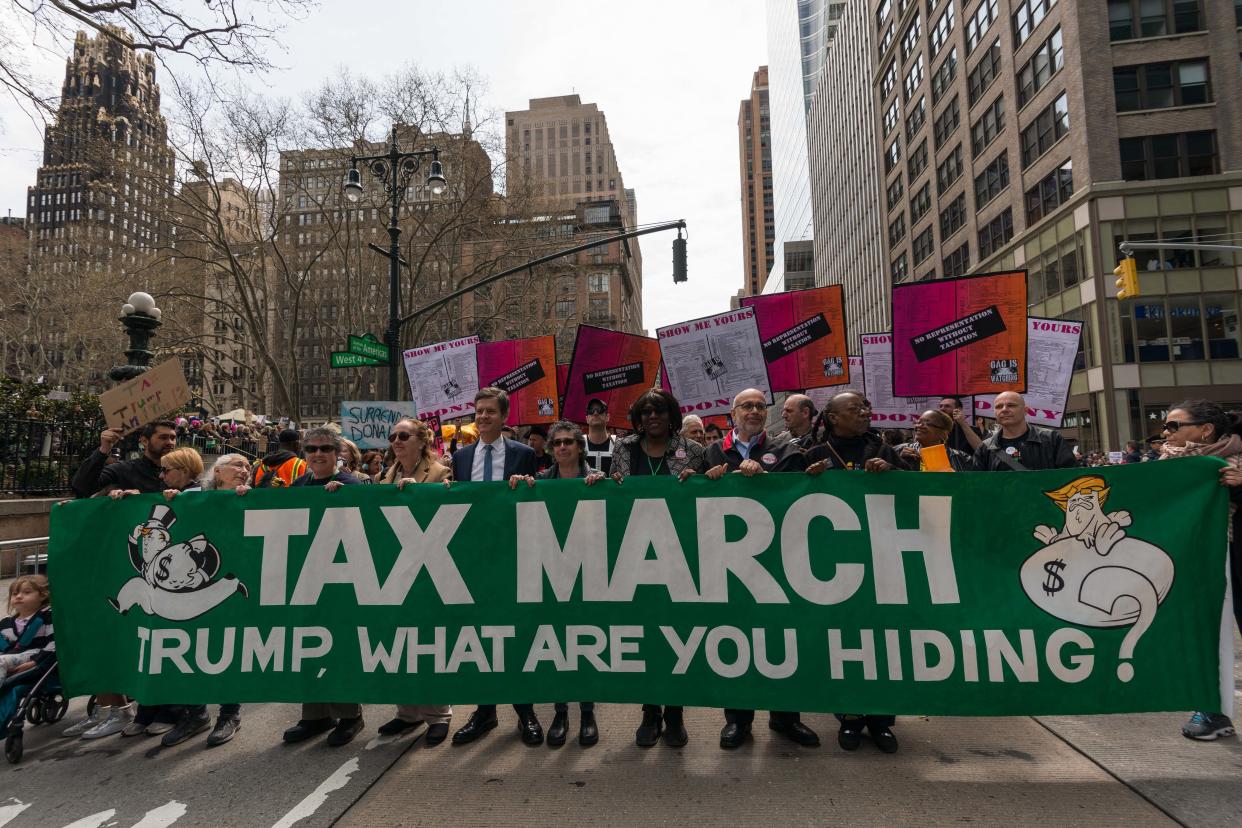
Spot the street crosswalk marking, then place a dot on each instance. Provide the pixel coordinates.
(10, 808)
(316, 798)
(162, 816)
(94, 820)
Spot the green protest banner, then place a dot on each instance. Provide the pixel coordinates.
(1071, 591)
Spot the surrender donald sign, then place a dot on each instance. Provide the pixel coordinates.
(978, 594)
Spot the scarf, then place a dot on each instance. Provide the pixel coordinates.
(1229, 448)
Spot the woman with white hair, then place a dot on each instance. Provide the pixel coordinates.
(692, 429)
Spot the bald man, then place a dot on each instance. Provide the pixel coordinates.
(798, 412)
(1019, 446)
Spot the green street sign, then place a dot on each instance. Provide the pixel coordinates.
(367, 346)
(346, 359)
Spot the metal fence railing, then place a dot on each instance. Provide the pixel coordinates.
(38, 458)
(23, 556)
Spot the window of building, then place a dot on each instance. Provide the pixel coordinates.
(922, 245)
(1027, 15)
(597, 283)
(1049, 193)
(895, 189)
(1036, 72)
(1128, 19)
(947, 122)
(1160, 85)
(940, 34)
(984, 131)
(984, 73)
(1049, 126)
(881, 14)
(920, 203)
(952, 217)
(918, 161)
(890, 116)
(1168, 156)
(916, 118)
(914, 77)
(977, 24)
(892, 155)
(992, 181)
(887, 40)
(949, 170)
(901, 268)
(565, 308)
(897, 230)
(889, 80)
(910, 40)
(995, 234)
(1172, 231)
(1224, 335)
(599, 309)
(944, 76)
(957, 262)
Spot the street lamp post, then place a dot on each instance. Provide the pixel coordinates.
(394, 169)
(140, 317)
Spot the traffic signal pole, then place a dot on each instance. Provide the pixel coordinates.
(1127, 271)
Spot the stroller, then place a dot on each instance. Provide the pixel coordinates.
(39, 700)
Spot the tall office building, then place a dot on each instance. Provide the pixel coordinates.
(799, 34)
(845, 190)
(561, 148)
(754, 141)
(1040, 134)
(96, 210)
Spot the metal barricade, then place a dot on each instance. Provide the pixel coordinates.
(23, 556)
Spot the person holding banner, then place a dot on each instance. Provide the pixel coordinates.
(657, 448)
(748, 450)
(410, 442)
(933, 428)
(494, 457)
(569, 452)
(1019, 446)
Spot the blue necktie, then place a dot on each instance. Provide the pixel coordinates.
(487, 461)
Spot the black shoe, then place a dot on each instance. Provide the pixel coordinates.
(306, 728)
(675, 735)
(474, 728)
(345, 731)
(436, 733)
(849, 736)
(226, 727)
(733, 735)
(530, 729)
(397, 726)
(648, 732)
(588, 731)
(883, 738)
(190, 724)
(796, 732)
(556, 730)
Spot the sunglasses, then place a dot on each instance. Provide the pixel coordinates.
(1173, 425)
(400, 435)
(651, 411)
(316, 449)
(564, 441)
(596, 409)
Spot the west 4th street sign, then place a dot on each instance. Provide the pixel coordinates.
(368, 346)
(346, 359)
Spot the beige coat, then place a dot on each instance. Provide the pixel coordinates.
(428, 471)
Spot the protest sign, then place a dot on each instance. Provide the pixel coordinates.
(960, 336)
(611, 366)
(842, 591)
(145, 398)
(803, 337)
(707, 361)
(821, 396)
(1051, 349)
(525, 369)
(369, 423)
(444, 377)
(887, 410)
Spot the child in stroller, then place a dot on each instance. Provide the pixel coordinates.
(27, 661)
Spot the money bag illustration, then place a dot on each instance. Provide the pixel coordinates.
(1092, 573)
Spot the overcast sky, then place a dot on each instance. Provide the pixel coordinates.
(667, 75)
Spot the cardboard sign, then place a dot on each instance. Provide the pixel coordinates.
(146, 398)
(709, 360)
(960, 336)
(369, 423)
(611, 366)
(803, 337)
(526, 370)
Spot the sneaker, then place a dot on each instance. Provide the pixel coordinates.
(158, 728)
(191, 724)
(134, 728)
(118, 717)
(1207, 726)
(226, 727)
(93, 720)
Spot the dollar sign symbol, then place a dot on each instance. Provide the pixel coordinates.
(1054, 583)
(162, 569)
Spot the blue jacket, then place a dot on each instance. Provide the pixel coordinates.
(519, 459)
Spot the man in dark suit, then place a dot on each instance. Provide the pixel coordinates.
(494, 457)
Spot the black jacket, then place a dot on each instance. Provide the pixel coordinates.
(1042, 449)
(309, 479)
(93, 476)
(774, 454)
(855, 451)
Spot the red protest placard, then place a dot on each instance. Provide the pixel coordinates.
(803, 336)
(526, 370)
(611, 366)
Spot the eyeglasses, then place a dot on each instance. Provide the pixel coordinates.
(400, 435)
(1173, 425)
(652, 411)
(596, 409)
(752, 406)
(316, 449)
(563, 441)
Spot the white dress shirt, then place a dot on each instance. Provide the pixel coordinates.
(498, 460)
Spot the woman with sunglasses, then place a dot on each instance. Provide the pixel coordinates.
(657, 448)
(413, 462)
(933, 428)
(1202, 428)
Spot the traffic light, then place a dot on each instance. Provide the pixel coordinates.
(679, 258)
(1127, 278)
